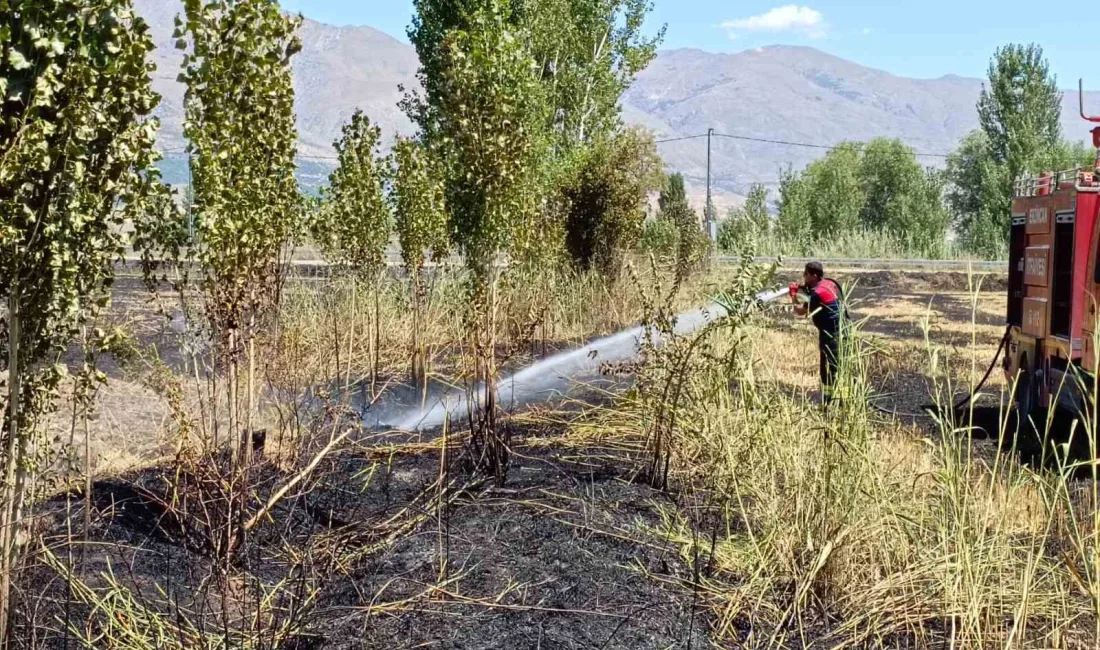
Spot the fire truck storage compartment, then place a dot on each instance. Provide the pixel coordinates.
(1061, 308)
(1017, 244)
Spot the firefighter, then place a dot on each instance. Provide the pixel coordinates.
(821, 299)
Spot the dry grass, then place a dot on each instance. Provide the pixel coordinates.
(798, 528)
(847, 528)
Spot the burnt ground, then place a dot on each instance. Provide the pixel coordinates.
(567, 555)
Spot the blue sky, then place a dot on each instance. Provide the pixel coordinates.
(924, 38)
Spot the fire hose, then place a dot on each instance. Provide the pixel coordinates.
(929, 410)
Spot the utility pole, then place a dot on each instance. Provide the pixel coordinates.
(706, 208)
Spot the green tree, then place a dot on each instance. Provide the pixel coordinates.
(746, 225)
(239, 120)
(922, 225)
(1019, 112)
(889, 173)
(975, 196)
(492, 118)
(76, 163)
(903, 200)
(1068, 155)
(356, 220)
(734, 232)
(587, 53)
(357, 223)
(659, 237)
(756, 210)
(691, 244)
(607, 199)
(837, 196)
(795, 222)
(419, 203)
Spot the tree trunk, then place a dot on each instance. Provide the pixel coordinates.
(87, 494)
(247, 435)
(418, 372)
(14, 477)
(377, 337)
(233, 367)
(336, 335)
(498, 445)
(353, 314)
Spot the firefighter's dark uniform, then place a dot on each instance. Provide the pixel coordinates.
(828, 315)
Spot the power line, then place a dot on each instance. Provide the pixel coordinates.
(787, 143)
(686, 137)
(813, 146)
(744, 138)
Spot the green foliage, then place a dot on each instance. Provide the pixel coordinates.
(246, 208)
(607, 199)
(673, 198)
(795, 222)
(660, 237)
(755, 210)
(877, 188)
(836, 196)
(889, 174)
(903, 200)
(976, 195)
(76, 162)
(923, 223)
(733, 233)
(491, 123)
(1019, 113)
(356, 220)
(418, 196)
(745, 226)
(240, 124)
(586, 53)
(692, 245)
(76, 157)
(1021, 108)
(489, 118)
(419, 204)
(1068, 155)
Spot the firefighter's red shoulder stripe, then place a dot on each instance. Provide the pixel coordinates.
(826, 292)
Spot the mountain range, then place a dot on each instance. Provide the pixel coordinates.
(779, 94)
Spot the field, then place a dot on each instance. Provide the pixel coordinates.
(781, 524)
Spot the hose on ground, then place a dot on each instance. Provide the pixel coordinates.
(928, 409)
(977, 389)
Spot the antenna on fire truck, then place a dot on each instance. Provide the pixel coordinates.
(1087, 118)
(1081, 100)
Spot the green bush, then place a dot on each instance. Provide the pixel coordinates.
(659, 237)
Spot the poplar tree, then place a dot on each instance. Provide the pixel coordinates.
(356, 224)
(76, 164)
(419, 204)
(239, 121)
(491, 113)
(1020, 116)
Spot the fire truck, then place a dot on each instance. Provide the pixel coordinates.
(1054, 287)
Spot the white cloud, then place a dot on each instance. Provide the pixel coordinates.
(866, 31)
(788, 18)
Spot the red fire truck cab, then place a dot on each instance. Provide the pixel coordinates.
(1054, 288)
